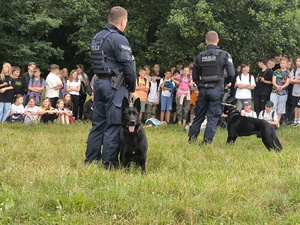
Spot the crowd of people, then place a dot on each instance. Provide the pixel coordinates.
(29, 98)
(276, 90)
(168, 97)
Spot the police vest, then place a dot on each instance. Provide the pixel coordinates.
(101, 62)
(210, 68)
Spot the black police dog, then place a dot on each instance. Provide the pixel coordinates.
(133, 140)
(238, 125)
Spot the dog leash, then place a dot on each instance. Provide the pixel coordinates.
(130, 102)
(227, 104)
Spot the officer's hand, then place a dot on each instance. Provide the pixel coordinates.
(131, 94)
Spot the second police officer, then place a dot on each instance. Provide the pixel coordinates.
(114, 66)
(208, 74)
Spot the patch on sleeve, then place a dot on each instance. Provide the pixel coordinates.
(229, 58)
(125, 48)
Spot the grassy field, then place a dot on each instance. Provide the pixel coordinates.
(44, 180)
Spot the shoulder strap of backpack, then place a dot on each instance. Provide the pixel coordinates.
(240, 76)
(263, 113)
(273, 113)
(188, 77)
(181, 77)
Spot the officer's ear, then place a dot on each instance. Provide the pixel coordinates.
(123, 23)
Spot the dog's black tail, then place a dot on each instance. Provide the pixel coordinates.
(276, 143)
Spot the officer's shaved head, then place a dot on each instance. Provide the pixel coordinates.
(212, 37)
(116, 14)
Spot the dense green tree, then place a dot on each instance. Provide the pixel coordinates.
(48, 31)
(25, 26)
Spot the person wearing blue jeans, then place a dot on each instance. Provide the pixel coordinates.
(6, 91)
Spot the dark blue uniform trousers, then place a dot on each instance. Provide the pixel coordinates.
(106, 126)
(208, 103)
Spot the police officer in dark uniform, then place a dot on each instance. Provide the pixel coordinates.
(115, 69)
(208, 74)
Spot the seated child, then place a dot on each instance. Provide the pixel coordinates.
(62, 113)
(17, 110)
(31, 111)
(88, 109)
(46, 111)
(269, 115)
(154, 122)
(247, 111)
(69, 105)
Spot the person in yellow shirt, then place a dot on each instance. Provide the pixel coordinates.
(141, 90)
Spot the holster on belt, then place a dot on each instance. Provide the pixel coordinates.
(117, 79)
(208, 85)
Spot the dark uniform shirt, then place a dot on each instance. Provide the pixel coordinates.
(225, 62)
(118, 52)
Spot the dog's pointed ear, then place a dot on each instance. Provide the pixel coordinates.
(125, 103)
(137, 104)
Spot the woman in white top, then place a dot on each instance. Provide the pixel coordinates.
(73, 88)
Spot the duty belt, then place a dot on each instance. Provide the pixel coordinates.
(104, 76)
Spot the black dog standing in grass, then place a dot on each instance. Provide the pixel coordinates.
(238, 125)
(133, 140)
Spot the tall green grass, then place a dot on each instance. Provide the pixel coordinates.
(43, 180)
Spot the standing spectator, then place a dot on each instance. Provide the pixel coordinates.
(36, 86)
(183, 95)
(83, 78)
(279, 93)
(269, 115)
(17, 84)
(141, 90)
(174, 105)
(247, 111)
(31, 111)
(194, 96)
(107, 98)
(65, 77)
(88, 109)
(295, 80)
(208, 74)
(73, 88)
(263, 86)
(156, 70)
(148, 76)
(152, 99)
(271, 63)
(167, 90)
(277, 58)
(244, 83)
(26, 78)
(179, 66)
(53, 85)
(288, 117)
(6, 91)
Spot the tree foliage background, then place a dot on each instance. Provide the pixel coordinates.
(50, 31)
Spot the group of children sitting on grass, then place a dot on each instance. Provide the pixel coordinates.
(45, 113)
